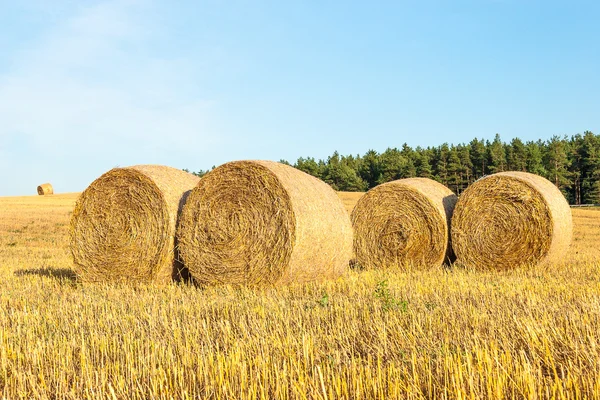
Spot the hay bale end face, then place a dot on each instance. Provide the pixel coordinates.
(510, 219)
(45, 189)
(403, 222)
(263, 223)
(123, 225)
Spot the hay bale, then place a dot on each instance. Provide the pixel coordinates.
(45, 189)
(263, 223)
(123, 225)
(511, 219)
(403, 222)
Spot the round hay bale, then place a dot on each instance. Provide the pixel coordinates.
(45, 189)
(403, 222)
(511, 219)
(263, 223)
(123, 225)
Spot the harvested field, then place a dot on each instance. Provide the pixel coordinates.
(350, 199)
(530, 332)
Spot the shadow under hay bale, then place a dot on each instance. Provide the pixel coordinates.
(123, 225)
(59, 273)
(510, 219)
(45, 189)
(263, 223)
(403, 222)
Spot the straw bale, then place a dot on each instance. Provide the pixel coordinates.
(263, 223)
(403, 222)
(45, 189)
(123, 225)
(510, 219)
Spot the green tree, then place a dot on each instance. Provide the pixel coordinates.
(517, 155)
(410, 170)
(309, 165)
(370, 168)
(467, 166)
(332, 173)
(556, 162)
(575, 168)
(440, 163)
(393, 166)
(423, 163)
(478, 154)
(341, 174)
(591, 168)
(454, 170)
(535, 159)
(496, 155)
(199, 173)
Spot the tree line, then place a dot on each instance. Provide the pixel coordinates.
(571, 163)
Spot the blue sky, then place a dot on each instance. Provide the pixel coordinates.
(86, 86)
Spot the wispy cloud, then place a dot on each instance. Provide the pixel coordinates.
(92, 85)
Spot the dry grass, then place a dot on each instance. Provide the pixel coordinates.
(350, 199)
(527, 333)
(262, 222)
(403, 223)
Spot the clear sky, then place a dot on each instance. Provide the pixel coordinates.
(86, 86)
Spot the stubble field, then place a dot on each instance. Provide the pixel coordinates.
(437, 333)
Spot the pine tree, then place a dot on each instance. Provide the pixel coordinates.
(467, 166)
(393, 166)
(535, 163)
(478, 158)
(410, 170)
(332, 173)
(350, 180)
(575, 168)
(573, 164)
(454, 170)
(308, 165)
(440, 164)
(341, 173)
(556, 162)
(423, 163)
(591, 168)
(496, 155)
(517, 155)
(370, 168)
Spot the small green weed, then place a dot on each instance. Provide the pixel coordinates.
(387, 299)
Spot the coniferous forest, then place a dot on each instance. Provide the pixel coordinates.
(571, 163)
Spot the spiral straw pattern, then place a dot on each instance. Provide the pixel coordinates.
(263, 223)
(403, 222)
(123, 225)
(510, 219)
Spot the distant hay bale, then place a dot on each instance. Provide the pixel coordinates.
(510, 219)
(45, 189)
(263, 223)
(403, 222)
(123, 225)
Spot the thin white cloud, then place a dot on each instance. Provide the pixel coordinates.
(92, 85)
